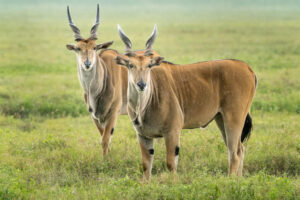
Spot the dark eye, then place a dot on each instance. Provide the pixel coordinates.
(150, 65)
(131, 66)
(78, 49)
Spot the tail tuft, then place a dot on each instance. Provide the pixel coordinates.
(247, 128)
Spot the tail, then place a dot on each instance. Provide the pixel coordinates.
(247, 128)
(248, 122)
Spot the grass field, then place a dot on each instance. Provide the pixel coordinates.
(50, 149)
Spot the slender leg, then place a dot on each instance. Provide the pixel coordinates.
(105, 132)
(241, 165)
(233, 127)
(172, 145)
(220, 123)
(146, 145)
(108, 131)
(99, 127)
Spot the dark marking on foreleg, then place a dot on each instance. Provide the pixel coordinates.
(147, 151)
(112, 131)
(90, 109)
(176, 151)
(151, 151)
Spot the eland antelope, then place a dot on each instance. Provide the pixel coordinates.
(164, 98)
(104, 83)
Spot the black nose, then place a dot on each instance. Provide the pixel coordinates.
(87, 64)
(141, 85)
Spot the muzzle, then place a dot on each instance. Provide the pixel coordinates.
(141, 85)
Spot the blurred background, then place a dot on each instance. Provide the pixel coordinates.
(33, 35)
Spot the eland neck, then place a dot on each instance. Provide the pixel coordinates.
(139, 101)
(93, 81)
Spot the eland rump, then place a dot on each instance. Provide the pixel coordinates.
(164, 98)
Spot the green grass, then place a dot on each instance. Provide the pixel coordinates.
(50, 149)
(61, 158)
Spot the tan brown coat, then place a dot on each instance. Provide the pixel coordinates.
(165, 99)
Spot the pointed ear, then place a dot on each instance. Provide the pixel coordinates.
(104, 45)
(121, 61)
(70, 47)
(156, 61)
